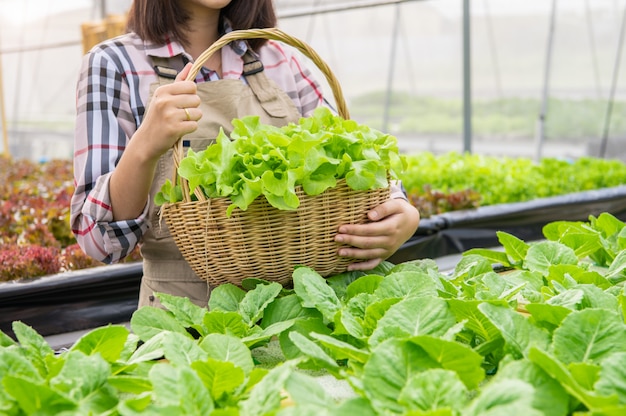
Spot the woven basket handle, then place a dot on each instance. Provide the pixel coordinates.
(269, 33)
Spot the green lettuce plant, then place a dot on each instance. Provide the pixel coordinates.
(453, 181)
(528, 328)
(262, 160)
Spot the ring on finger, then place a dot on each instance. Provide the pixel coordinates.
(187, 114)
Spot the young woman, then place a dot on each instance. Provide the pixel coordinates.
(133, 103)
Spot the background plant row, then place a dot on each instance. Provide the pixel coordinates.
(453, 181)
(36, 238)
(35, 234)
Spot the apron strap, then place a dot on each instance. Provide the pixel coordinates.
(168, 68)
(253, 73)
(261, 86)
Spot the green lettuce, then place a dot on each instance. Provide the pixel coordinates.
(263, 160)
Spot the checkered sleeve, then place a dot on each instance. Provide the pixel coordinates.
(104, 124)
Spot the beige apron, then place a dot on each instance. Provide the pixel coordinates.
(164, 269)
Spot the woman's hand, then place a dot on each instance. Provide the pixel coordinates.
(172, 113)
(393, 223)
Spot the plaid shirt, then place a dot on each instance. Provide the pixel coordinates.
(112, 93)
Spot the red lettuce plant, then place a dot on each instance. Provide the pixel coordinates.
(35, 234)
(28, 261)
(431, 202)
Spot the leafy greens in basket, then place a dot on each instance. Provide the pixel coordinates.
(260, 159)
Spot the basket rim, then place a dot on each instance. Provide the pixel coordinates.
(299, 191)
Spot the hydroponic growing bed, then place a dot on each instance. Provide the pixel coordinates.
(465, 199)
(457, 231)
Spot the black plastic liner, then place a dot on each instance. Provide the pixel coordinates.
(72, 301)
(459, 231)
(95, 297)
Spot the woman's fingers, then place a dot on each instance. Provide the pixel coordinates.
(187, 99)
(172, 113)
(182, 75)
(365, 265)
(393, 223)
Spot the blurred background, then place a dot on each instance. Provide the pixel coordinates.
(527, 78)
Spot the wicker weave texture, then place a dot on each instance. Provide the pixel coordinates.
(265, 242)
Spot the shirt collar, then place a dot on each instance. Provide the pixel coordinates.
(232, 63)
(169, 49)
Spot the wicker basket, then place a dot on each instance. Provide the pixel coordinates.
(263, 241)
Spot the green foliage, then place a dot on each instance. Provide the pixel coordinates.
(270, 161)
(462, 180)
(545, 336)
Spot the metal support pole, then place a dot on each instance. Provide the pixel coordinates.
(103, 9)
(467, 80)
(592, 44)
(609, 109)
(541, 121)
(392, 62)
